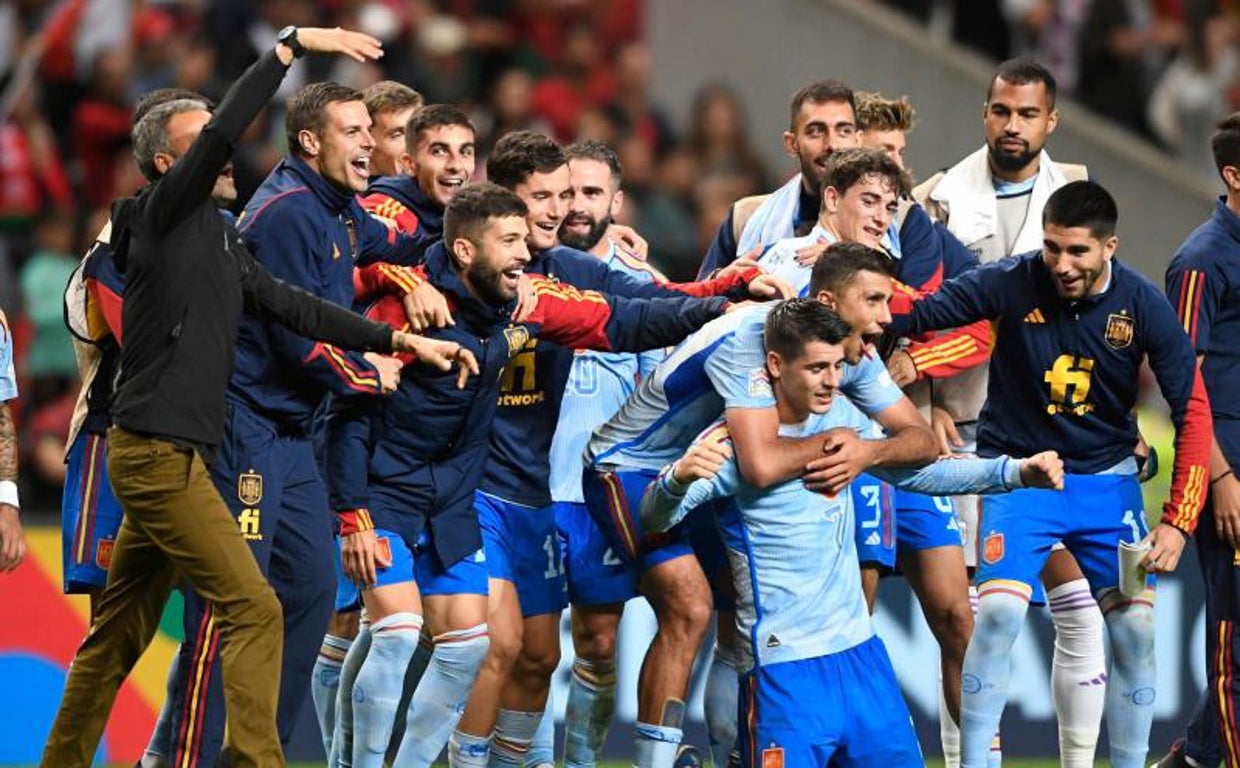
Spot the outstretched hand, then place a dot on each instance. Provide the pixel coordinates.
(355, 45)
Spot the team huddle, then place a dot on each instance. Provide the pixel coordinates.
(389, 509)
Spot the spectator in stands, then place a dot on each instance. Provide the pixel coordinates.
(101, 124)
(719, 137)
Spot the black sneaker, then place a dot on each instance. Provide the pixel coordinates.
(687, 756)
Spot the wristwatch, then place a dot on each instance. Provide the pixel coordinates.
(288, 36)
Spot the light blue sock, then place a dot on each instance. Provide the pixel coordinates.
(542, 752)
(376, 692)
(440, 697)
(1131, 679)
(468, 751)
(655, 745)
(324, 682)
(591, 703)
(341, 754)
(413, 676)
(987, 669)
(513, 737)
(722, 705)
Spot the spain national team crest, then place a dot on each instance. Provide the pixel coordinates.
(250, 488)
(992, 548)
(1120, 330)
(103, 553)
(517, 336)
(773, 757)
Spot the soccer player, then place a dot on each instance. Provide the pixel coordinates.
(514, 498)
(305, 225)
(390, 105)
(992, 201)
(722, 369)
(1201, 286)
(1073, 328)
(408, 465)
(438, 159)
(598, 583)
(862, 189)
(807, 631)
(12, 542)
(884, 124)
(823, 120)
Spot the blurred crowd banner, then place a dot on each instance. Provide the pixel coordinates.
(40, 629)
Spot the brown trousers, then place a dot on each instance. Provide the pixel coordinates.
(175, 525)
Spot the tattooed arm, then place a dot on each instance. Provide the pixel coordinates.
(12, 544)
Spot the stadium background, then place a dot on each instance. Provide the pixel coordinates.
(692, 93)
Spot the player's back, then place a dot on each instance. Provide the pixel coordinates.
(681, 398)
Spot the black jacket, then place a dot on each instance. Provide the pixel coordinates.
(188, 277)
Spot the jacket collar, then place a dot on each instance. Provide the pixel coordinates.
(968, 192)
(1226, 217)
(335, 200)
(406, 190)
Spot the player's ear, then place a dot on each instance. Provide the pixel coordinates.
(463, 251)
(1052, 121)
(308, 142)
(617, 202)
(774, 365)
(790, 144)
(827, 298)
(831, 200)
(1109, 245)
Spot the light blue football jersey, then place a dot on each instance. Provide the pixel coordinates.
(8, 376)
(722, 365)
(792, 551)
(780, 259)
(598, 385)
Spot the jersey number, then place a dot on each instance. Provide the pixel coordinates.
(1132, 521)
(1069, 378)
(585, 375)
(554, 567)
(873, 500)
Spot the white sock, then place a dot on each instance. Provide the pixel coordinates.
(721, 704)
(949, 732)
(376, 692)
(1078, 671)
(655, 745)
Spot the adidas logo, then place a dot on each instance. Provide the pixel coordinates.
(773, 642)
(1035, 317)
(873, 540)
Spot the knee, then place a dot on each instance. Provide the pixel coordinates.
(595, 644)
(687, 610)
(998, 624)
(952, 625)
(344, 625)
(1132, 634)
(505, 647)
(538, 663)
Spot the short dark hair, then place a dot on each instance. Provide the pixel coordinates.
(1022, 72)
(593, 149)
(839, 264)
(793, 323)
(1082, 204)
(819, 93)
(469, 209)
(846, 167)
(876, 113)
(1226, 142)
(389, 96)
(520, 154)
(431, 116)
(307, 110)
(165, 95)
